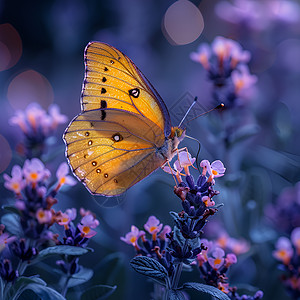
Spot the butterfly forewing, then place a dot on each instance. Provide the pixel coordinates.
(112, 77)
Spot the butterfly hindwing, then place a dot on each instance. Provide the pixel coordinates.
(110, 155)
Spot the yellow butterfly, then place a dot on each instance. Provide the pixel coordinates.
(123, 132)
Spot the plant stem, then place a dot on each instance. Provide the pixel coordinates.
(178, 270)
(65, 288)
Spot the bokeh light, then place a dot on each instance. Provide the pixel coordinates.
(10, 46)
(5, 154)
(29, 86)
(183, 23)
(288, 54)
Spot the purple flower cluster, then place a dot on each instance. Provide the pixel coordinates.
(226, 64)
(154, 247)
(37, 126)
(285, 212)
(196, 196)
(34, 200)
(258, 15)
(75, 235)
(213, 266)
(287, 252)
(34, 213)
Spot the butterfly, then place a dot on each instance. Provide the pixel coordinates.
(123, 132)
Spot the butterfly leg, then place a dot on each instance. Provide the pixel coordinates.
(177, 177)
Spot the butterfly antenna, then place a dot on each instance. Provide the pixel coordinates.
(194, 102)
(221, 105)
(198, 152)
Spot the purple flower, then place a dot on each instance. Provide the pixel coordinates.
(16, 182)
(295, 238)
(215, 169)
(242, 79)
(217, 259)
(202, 55)
(230, 260)
(63, 177)
(56, 117)
(221, 47)
(132, 236)
(88, 222)
(35, 171)
(5, 239)
(284, 250)
(153, 225)
(44, 216)
(167, 229)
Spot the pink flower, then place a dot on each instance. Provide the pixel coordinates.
(230, 260)
(88, 222)
(284, 250)
(222, 240)
(43, 216)
(242, 79)
(184, 160)
(208, 201)
(63, 177)
(295, 238)
(19, 119)
(221, 48)
(217, 259)
(153, 225)
(203, 256)
(35, 171)
(36, 119)
(5, 239)
(238, 246)
(169, 170)
(132, 236)
(16, 182)
(56, 117)
(238, 55)
(202, 55)
(224, 287)
(72, 213)
(166, 229)
(64, 219)
(215, 169)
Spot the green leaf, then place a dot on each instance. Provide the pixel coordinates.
(82, 276)
(178, 236)
(21, 281)
(175, 216)
(12, 209)
(43, 292)
(175, 295)
(208, 289)
(98, 292)
(12, 224)
(149, 267)
(63, 250)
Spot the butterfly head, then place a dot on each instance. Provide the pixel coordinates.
(177, 135)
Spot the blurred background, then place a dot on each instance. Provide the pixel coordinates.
(41, 60)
